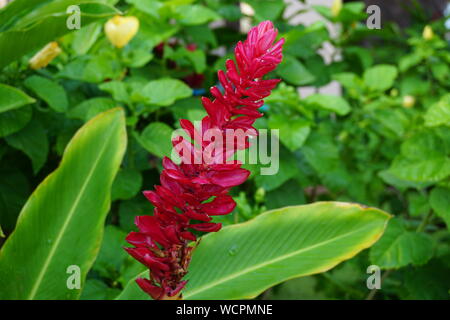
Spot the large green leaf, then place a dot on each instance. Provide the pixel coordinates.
(12, 98)
(62, 222)
(27, 25)
(243, 260)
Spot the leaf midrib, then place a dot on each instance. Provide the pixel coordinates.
(41, 274)
(255, 267)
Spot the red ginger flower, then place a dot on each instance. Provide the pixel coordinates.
(186, 190)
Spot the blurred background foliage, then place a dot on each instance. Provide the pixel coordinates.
(380, 138)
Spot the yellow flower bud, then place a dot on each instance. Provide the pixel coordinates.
(409, 101)
(427, 33)
(120, 30)
(336, 7)
(45, 56)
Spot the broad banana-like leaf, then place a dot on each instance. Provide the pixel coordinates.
(243, 260)
(60, 227)
(26, 25)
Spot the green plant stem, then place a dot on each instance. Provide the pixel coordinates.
(424, 222)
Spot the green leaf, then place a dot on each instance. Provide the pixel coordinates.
(380, 77)
(156, 138)
(408, 61)
(294, 72)
(62, 222)
(127, 184)
(439, 113)
(85, 38)
(399, 247)
(14, 120)
(117, 89)
(49, 91)
(164, 92)
(28, 25)
(245, 259)
(14, 190)
(288, 168)
(93, 68)
(198, 59)
(2, 235)
(327, 102)
(12, 98)
(440, 202)
(293, 132)
(90, 108)
(111, 255)
(97, 290)
(195, 14)
(304, 42)
(267, 10)
(32, 140)
(417, 204)
(423, 158)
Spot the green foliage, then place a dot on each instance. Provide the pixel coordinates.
(383, 142)
(38, 22)
(61, 224)
(11, 98)
(239, 270)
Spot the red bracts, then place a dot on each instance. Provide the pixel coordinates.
(197, 189)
